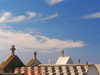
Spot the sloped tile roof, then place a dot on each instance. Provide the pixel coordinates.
(7, 61)
(31, 62)
(11, 62)
(64, 60)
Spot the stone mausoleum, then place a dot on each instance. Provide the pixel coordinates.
(64, 66)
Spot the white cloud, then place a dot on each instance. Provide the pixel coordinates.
(31, 30)
(26, 41)
(94, 15)
(5, 26)
(31, 14)
(46, 18)
(16, 19)
(52, 2)
(7, 17)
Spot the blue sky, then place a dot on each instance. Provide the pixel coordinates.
(49, 26)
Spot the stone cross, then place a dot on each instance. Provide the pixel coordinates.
(62, 53)
(12, 49)
(49, 61)
(78, 61)
(35, 55)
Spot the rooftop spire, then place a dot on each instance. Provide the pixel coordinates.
(27, 60)
(62, 53)
(12, 49)
(35, 55)
(49, 61)
(86, 62)
(78, 61)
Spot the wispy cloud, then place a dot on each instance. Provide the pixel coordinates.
(94, 15)
(52, 2)
(5, 27)
(32, 16)
(31, 30)
(26, 41)
(46, 18)
(7, 17)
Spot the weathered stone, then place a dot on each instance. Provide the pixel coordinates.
(10, 63)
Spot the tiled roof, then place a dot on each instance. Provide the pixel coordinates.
(31, 62)
(64, 60)
(11, 62)
(8, 60)
(54, 70)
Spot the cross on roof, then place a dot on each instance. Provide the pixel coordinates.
(62, 53)
(12, 49)
(35, 55)
(49, 61)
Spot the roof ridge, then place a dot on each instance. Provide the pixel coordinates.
(5, 62)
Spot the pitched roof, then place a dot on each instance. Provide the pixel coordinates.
(64, 60)
(11, 62)
(31, 62)
(8, 60)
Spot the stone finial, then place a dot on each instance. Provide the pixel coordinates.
(49, 61)
(12, 49)
(78, 61)
(86, 62)
(27, 60)
(35, 55)
(62, 53)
